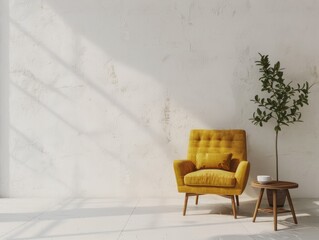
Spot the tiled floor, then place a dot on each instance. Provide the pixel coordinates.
(150, 219)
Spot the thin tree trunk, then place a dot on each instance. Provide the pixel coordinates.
(277, 155)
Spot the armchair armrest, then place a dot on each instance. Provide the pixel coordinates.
(242, 174)
(181, 168)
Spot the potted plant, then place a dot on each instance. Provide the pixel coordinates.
(281, 102)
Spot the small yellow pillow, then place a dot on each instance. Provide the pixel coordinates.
(213, 160)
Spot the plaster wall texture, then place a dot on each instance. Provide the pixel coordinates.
(103, 94)
(4, 97)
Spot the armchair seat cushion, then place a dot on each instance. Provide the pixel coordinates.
(210, 178)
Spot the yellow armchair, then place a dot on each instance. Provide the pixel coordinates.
(194, 178)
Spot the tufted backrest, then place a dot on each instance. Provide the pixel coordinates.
(218, 141)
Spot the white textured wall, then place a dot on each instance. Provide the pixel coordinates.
(4, 98)
(104, 93)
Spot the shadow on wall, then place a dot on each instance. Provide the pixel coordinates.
(82, 77)
(166, 56)
(39, 148)
(160, 40)
(212, 76)
(68, 122)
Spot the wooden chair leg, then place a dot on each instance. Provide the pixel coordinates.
(196, 201)
(237, 200)
(185, 204)
(233, 206)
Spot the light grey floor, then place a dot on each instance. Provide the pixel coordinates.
(150, 219)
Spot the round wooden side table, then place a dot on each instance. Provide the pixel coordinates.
(275, 185)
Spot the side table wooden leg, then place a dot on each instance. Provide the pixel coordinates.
(258, 203)
(291, 207)
(274, 198)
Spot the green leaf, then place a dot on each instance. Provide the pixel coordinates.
(283, 101)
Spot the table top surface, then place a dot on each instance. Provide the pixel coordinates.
(275, 185)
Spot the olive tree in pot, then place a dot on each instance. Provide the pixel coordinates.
(281, 103)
